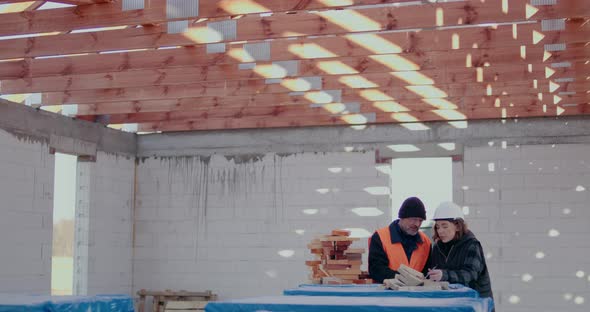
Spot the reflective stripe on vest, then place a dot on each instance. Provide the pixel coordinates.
(397, 256)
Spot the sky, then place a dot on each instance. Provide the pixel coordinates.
(64, 195)
(430, 179)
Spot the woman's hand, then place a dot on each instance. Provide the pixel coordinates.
(435, 275)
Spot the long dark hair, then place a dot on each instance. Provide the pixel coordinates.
(461, 229)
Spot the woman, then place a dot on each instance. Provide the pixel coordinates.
(457, 256)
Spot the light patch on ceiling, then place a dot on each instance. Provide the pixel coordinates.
(427, 91)
(15, 7)
(310, 51)
(270, 71)
(413, 77)
(459, 124)
(310, 211)
(203, 35)
(241, 7)
(395, 62)
(300, 231)
(331, 3)
(350, 20)
(450, 114)
(336, 68)
(357, 82)
(374, 43)
(540, 255)
(319, 97)
(553, 233)
(440, 103)
(375, 95)
(390, 106)
(296, 84)
(358, 119)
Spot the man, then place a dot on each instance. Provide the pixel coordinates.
(401, 242)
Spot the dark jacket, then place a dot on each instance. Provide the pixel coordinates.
(464, 263)
(378, 261)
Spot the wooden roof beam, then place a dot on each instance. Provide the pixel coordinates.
(250, 88)
(409, 43)
(505, 68)
(327, 120)
(305, 23)
(297, 110)
(262, 100)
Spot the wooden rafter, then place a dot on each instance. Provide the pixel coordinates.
(363, 65)
(315, 119)
(332, 72)
(152, 37)
(314, 99)
(463, 105)
(453, 13)
(411, 43)
(249, 88)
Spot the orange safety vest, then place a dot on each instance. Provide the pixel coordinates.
(397, 255)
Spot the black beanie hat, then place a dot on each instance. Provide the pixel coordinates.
(412, 208)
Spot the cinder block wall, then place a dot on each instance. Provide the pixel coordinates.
(112, 180)
(26, 195)
(26, 218)
(529, 205)
(218, 223)
(222, 223)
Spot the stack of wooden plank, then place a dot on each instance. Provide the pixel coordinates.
(410, 279)
(335, 262)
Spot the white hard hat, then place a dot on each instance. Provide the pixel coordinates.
(448, 210)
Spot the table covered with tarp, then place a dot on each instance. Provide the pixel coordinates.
(377, 290)
(39, 303)
(351, 304)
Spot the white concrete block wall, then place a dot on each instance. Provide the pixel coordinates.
(219, 223)
(532, 214)
(26, 219)
(110, 224)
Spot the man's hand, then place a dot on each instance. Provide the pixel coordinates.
(435, 275)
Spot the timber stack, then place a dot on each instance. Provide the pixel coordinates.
(335, 262)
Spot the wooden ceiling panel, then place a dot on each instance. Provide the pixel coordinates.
(311, 100)
(377, 63)
(409, 43)
(315, 120)
(322, 22)
(236, 88)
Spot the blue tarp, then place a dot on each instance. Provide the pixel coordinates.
(33, 303)
(351, 304)
(376, 290)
